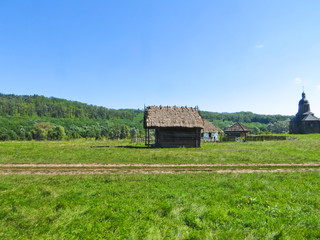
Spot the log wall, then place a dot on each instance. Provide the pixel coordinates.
(304, 127)
(178, 137)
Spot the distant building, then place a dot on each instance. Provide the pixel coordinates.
(237, 130)
(174, 126)
(304, 122)
(210, 132)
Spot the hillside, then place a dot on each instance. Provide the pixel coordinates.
(23, 118)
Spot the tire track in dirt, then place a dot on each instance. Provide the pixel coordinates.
(106, 172)
(90, 169)
(77, 165)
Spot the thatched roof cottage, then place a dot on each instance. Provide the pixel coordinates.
(174, 126)
(237, 130)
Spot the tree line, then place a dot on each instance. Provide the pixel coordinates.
(258, 123)
(40, 106)
(41, 118)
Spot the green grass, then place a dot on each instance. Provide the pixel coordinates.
(161, 206)
(188, 206)
(304, 149)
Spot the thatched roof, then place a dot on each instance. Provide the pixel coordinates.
(237, 127)
(185, 117)
(208, 127)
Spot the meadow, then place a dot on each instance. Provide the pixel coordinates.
(136, 206)
(202, 205)
(301, 150)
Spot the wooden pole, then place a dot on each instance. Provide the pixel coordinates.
(145, 137)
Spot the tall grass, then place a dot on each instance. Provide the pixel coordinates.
(189, 206)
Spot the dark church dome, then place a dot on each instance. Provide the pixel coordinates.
(304, 105)
(303, 100)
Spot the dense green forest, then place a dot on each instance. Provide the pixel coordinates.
(41, 118)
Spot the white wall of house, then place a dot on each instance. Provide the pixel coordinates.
(214, 137)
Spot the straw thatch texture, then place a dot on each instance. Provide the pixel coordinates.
(208, 127)
(237, 127)
(184, 117)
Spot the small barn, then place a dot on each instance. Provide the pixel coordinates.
(237, 130)
(174, 126)
(210, 132)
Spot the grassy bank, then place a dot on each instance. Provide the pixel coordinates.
(304, 149)
(189, 206)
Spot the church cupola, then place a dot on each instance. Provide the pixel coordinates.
(304, 105)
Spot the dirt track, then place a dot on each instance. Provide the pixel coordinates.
(78, 169)
(157, 165)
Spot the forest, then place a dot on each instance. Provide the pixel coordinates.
(24, 117)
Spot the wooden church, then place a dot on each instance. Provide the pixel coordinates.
(304, 122)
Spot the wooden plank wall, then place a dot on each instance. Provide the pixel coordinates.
(178, 137)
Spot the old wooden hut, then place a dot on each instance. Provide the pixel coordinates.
(237, 130)
(174, 126)
(210, 132)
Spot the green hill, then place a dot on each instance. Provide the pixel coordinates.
(38, 117)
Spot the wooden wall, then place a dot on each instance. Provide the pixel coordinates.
(237, 134)
(178, 137)
(304, 127)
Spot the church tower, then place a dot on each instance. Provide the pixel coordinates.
(304, 122)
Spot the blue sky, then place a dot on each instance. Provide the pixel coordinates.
(224, 56)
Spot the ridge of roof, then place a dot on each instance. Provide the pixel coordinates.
(310, 117)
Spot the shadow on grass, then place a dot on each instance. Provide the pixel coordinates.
(99, 146)
(136, 147)
(151, 147)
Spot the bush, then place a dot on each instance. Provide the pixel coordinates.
(4, 135)
(56, 133)
(41, 130)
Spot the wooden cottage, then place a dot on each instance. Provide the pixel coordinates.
(174, 126)
(237, 130)
(210, 132)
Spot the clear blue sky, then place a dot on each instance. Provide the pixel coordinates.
(224, 56)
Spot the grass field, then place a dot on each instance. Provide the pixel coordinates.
(202, 205)
(189, 206)
(304, 149)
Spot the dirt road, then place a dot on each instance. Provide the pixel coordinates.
(77, 169)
